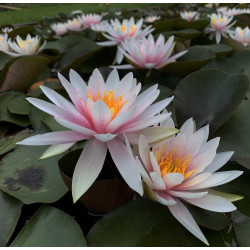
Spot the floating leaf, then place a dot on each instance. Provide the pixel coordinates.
(210, 96)
(50, 227)
(10, 210)
(21, 31)
(19, 105)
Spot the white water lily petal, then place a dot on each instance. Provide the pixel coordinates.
(55, 150)
(158, 183)
(88, 167)
(173, 179)
(125, 164)
(144, 151)
(104, 137)
(213, 203)
(190, 195)
(165, 199)
(181, 213)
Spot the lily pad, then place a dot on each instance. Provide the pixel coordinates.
(23, 176)
(10, 210)
(215, 96)
(50, 227)
(19, 105)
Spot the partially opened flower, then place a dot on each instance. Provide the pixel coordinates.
(99, 27)
(6, 30)
(235, 12)
(118, 32)
(222, 9)
(184, 168)
(102, 113)
(59, 28)
(242, 35)
(152, 19)
(75, 24)
(189, 15)
(28, 46)
(219, 26)
(88, 19)
(4, 43)
(147, 53)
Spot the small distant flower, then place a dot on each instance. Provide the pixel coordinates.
(74, 24)
(76, 12)
(147, 53)
(59, 28)
(118, 13)
(212, 5)
(184, 168)
(7, 30)
(190, 15)
(99, 27)
(152, 19)
(235, 12)
(118, 32)
(4, 43)
(242, 35)
(219, 26)
(104, 113)
(222, 9)
(29, 46)
(89, 19)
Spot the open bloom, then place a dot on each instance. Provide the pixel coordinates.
(59, 28)
(6, 30)
(152, 19)
(102, 113)
(75, 24)
(242, 35)
(29, 46)
(190, 15)
(89, 19)
(147, 53)
(4, 43)
(219, 26)
(183, 167)
(118, 32)
(99, 27)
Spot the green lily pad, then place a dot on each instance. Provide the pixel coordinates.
(192, 61)
(10, 211)
(219, 49)
(21, 31)
(215, 96)
(13, 76)
(9, 142)
(4, 58)
(23, 176)
(50, 227)
(19, 105)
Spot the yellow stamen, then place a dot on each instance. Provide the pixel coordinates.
(21, 43)
(109, 99)
(171, 163)
(132, 31)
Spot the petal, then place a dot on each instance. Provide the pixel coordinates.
(56, 149)
(189, 195)
(219, 160)
(164, 198)
(113, 80)
(158, 182)
(144, 152)
(213, 203)
(101, 116)
(96, 82)
(88, 167)
(188, 127)
(125, 164)
(60, 137)
(181, 213)
(104, 137)
(173, 179)
(154, 163)
(78, 83)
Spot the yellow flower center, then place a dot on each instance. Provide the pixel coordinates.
(109, 99)
(175, 164)
(1, 38)
(21, 43)
(132, 31)
(241, 32)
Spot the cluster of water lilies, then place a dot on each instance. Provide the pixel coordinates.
(169, 164)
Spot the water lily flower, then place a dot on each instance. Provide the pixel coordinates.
(6, 30)
(4, 43)
(99, 27)
(222, 9)
(190, 15)
(219, 26)
(29, 46)
(118, 32)
(75, 24)
(242, 35)
(235, 12)
(103, 113)
(152, 19)
(184, 168)
(147, 53)
(89, 19)
(59, 28)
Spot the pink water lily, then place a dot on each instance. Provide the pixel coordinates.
(242, 35)
(184, 168)
(59, 28)
(190, 15)
(149, 54)
(103, 113)
(118, 31)
(88, 19)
